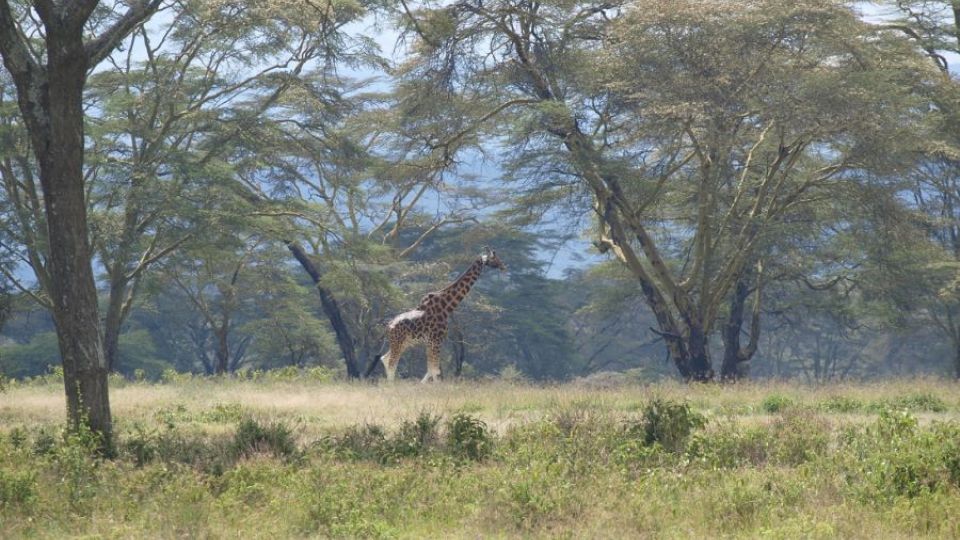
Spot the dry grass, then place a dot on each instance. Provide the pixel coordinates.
(775, 460)
(338, 404)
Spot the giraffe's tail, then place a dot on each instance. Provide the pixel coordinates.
(372, 366)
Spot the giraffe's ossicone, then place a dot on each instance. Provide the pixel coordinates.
(428, 322)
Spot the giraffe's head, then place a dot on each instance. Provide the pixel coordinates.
(490, 259)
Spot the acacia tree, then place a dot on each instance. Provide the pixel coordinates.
(50, 79)
(935, 180)
(348, 188)
(692, 131)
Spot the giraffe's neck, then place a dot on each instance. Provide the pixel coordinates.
(454, 293)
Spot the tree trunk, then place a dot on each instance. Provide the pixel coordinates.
(112, 323)
(699, 365)
(459, 349)
(53, 110)
(956, 360)
(736, 358)
(332, 310)
(222, 351)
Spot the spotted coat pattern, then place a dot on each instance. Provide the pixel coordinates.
(428, 322)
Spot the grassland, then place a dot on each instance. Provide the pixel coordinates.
(288, 456)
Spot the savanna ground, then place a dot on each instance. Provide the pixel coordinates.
(292, 455)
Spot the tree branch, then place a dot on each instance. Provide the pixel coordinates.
(101, 47)
(16, 56)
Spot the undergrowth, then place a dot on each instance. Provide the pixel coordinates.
(663, 468)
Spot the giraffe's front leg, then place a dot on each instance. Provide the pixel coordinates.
(433, 361)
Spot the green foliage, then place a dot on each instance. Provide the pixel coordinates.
(894, 457)
(667, 423)
(251, 438)
(840, 404)
(570, 462)
(32, 359)
(413, 438)
(18, 488)
(76, 462)
(468, 437)
(919, 402)
(775, 403)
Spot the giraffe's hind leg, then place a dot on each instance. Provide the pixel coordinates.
(392, 357)
(433, 362)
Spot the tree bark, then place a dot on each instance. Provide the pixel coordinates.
(112, 323)
(735, 358)
(332, 309)
(222, 350)
(50, 98)
(956, 360)
(459, 349)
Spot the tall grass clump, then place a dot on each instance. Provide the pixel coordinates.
(252, 437)
(915, 402)
(775, 403)
(894, 457)
(667, 423)
(17, 488)
(468, 437)
(465, 437)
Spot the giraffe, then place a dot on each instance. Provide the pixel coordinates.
(428, 322)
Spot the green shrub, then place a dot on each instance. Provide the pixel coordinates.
(44, 443)
(775, 403)
(172, 376)
(18, 437)
(667, 423)
(840, 404)
(286, 373)
(731, 446)
(142, 445)
(223, 413)
(922, 402)
(797, 437)
(75, 461)
(251, 437)
(359, 442)
(412, 439)
(17, 488)
(894, 457)
(468, 437)
(319, 374)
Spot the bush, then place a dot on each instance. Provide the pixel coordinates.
(894, 457)
(251, 438)
(17, 488)
(667, 423)
(775, 403)
(468, 437)
(797, 437)
(730, 446)
(142, 445)
(414, 437)
(359, 442)
(912, 402)
(840, 404)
